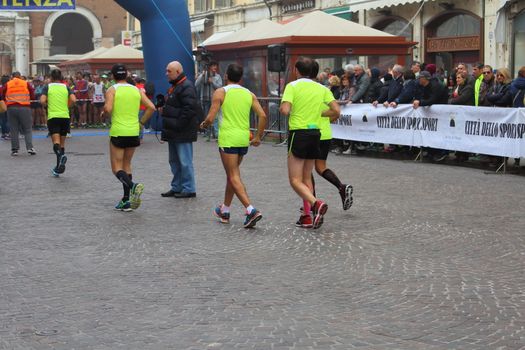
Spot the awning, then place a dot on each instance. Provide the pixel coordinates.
(358, 5)
(341, 12)
(197, 26)
(216, 36)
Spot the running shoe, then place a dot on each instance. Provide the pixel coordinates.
(14, 153)
(123, 206)
(346, 196)
(54, 172)
(31, 151)
(62, 164)
(252, 218)
(305, 221)
(136, 192)
(223, 217)
(319, 209)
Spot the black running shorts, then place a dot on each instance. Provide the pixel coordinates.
(125, 141)
(242, 151)
(324, 147)
(304, 143)
(58, 126)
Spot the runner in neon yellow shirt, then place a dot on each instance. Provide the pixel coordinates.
(122, 103)
(236, 103)
(58, 97)
(345, 190)
(302, 101)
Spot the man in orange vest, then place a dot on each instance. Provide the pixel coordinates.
(17, 95)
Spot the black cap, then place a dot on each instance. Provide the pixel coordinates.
(425, 74)
(119, 70)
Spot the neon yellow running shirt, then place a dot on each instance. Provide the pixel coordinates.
(124, 118)
(234, 127)
(57, 100)
(324, 122)
(306, 97)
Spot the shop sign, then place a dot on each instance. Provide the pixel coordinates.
(460, 43)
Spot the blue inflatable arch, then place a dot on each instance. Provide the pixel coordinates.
(166, 37)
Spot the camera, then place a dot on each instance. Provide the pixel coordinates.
(202, 55)
(160, 101)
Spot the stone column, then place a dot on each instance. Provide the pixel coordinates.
(22, 45)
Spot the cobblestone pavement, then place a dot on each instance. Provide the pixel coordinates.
(429, 257)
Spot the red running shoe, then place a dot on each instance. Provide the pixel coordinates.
(319, 209)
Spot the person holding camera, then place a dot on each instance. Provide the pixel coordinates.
(179, 128)
(207, 82)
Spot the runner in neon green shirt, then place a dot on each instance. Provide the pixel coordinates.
(302, 101)
(58, 97)
(236, 103)
(122, 103)
(345, 190)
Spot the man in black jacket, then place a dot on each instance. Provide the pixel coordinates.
(179, 128)
(432, 91)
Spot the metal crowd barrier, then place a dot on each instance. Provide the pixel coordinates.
(277, 125)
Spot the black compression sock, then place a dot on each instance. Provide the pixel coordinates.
(56, 149)
(127, 189)
(62, 150)
(124, 178)
(331, 177)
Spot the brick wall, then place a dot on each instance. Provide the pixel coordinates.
(111, 16)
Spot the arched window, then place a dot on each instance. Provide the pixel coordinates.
(519, 42)
(453, 37)
(392, 25)
(72, 34)
(395, 26)
(459, 25)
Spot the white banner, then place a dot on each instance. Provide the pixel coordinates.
(485, 130)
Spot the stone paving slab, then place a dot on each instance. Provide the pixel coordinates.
(429, 257)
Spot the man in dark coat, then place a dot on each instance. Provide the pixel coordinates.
(432, 91)
(180, 130)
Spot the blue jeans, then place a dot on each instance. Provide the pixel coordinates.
(181, 164)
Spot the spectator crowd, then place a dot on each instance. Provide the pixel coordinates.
(420, 85)
(87, 112)
(424, 85)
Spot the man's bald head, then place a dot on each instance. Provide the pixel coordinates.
(173, 70)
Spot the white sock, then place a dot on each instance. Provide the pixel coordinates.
(249, 209)
(225, 209)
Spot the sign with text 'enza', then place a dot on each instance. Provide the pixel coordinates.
(36, 5)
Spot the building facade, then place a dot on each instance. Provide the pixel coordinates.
(448, 32)
(30, 37)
